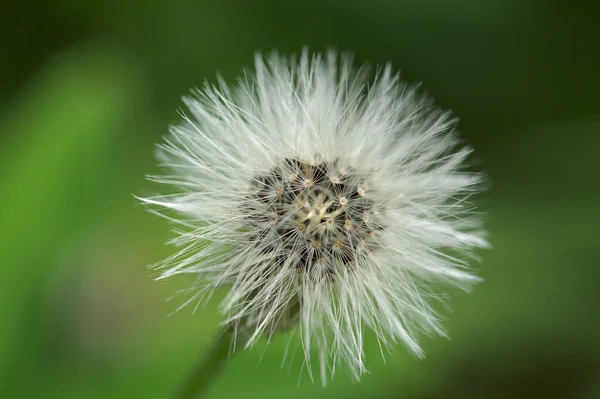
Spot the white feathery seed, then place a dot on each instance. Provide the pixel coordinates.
(325, 202)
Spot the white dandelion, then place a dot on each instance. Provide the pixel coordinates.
(327, 203)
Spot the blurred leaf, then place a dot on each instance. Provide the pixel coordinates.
(54, 156)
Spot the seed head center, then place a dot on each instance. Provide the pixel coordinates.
(318, 211)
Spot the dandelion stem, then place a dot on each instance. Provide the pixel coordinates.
(208, 368)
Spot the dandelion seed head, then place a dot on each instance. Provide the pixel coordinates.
(325, 201)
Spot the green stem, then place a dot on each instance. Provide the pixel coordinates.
(206, 370)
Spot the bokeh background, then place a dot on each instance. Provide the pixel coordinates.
(87, 88)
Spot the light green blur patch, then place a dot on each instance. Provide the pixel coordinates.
(55, 156)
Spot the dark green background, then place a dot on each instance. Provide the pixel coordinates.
(86, 88)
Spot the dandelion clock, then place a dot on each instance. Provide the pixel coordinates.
(327, 200)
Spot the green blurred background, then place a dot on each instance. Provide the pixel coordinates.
(87, 88)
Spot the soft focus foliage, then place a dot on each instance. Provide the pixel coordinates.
(87, 88)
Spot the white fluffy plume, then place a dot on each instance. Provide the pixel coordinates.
(325, 201)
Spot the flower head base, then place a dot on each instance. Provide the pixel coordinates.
(325, 203)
